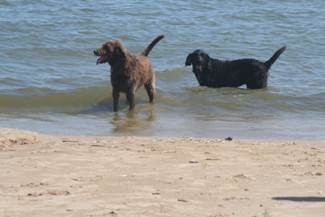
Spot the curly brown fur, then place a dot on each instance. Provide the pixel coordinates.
(217, 73)
(128, 72)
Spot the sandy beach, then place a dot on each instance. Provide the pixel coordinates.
(43, 175)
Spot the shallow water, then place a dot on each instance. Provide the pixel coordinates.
(49, 81)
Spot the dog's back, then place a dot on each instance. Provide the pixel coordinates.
(235, 73)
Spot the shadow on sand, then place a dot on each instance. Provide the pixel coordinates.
(301, 199)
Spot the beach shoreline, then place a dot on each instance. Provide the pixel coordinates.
(52, 175)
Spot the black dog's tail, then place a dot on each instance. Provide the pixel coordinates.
(275, 56)
(151, 45)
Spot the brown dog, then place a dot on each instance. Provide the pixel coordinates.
(128, 72)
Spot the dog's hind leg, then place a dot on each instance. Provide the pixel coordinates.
(258, 82)
(150, 90)
(130, 95)
(256, 85)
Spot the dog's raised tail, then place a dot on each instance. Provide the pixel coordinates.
(275, 56)
(151, 45)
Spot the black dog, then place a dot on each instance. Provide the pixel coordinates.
(217, 73)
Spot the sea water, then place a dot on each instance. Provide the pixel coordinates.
(50, 83)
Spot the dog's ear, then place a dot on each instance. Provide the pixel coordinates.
(188, 61)
(119, 54)
(118, 50)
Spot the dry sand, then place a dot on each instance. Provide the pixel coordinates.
(152, 176)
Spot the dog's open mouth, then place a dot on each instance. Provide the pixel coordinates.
(102, 59)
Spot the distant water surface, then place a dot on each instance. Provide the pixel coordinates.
(50, 83)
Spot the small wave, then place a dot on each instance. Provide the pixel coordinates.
(40, 100)
(177, 89)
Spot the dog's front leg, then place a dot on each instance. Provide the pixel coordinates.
(116, 95)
